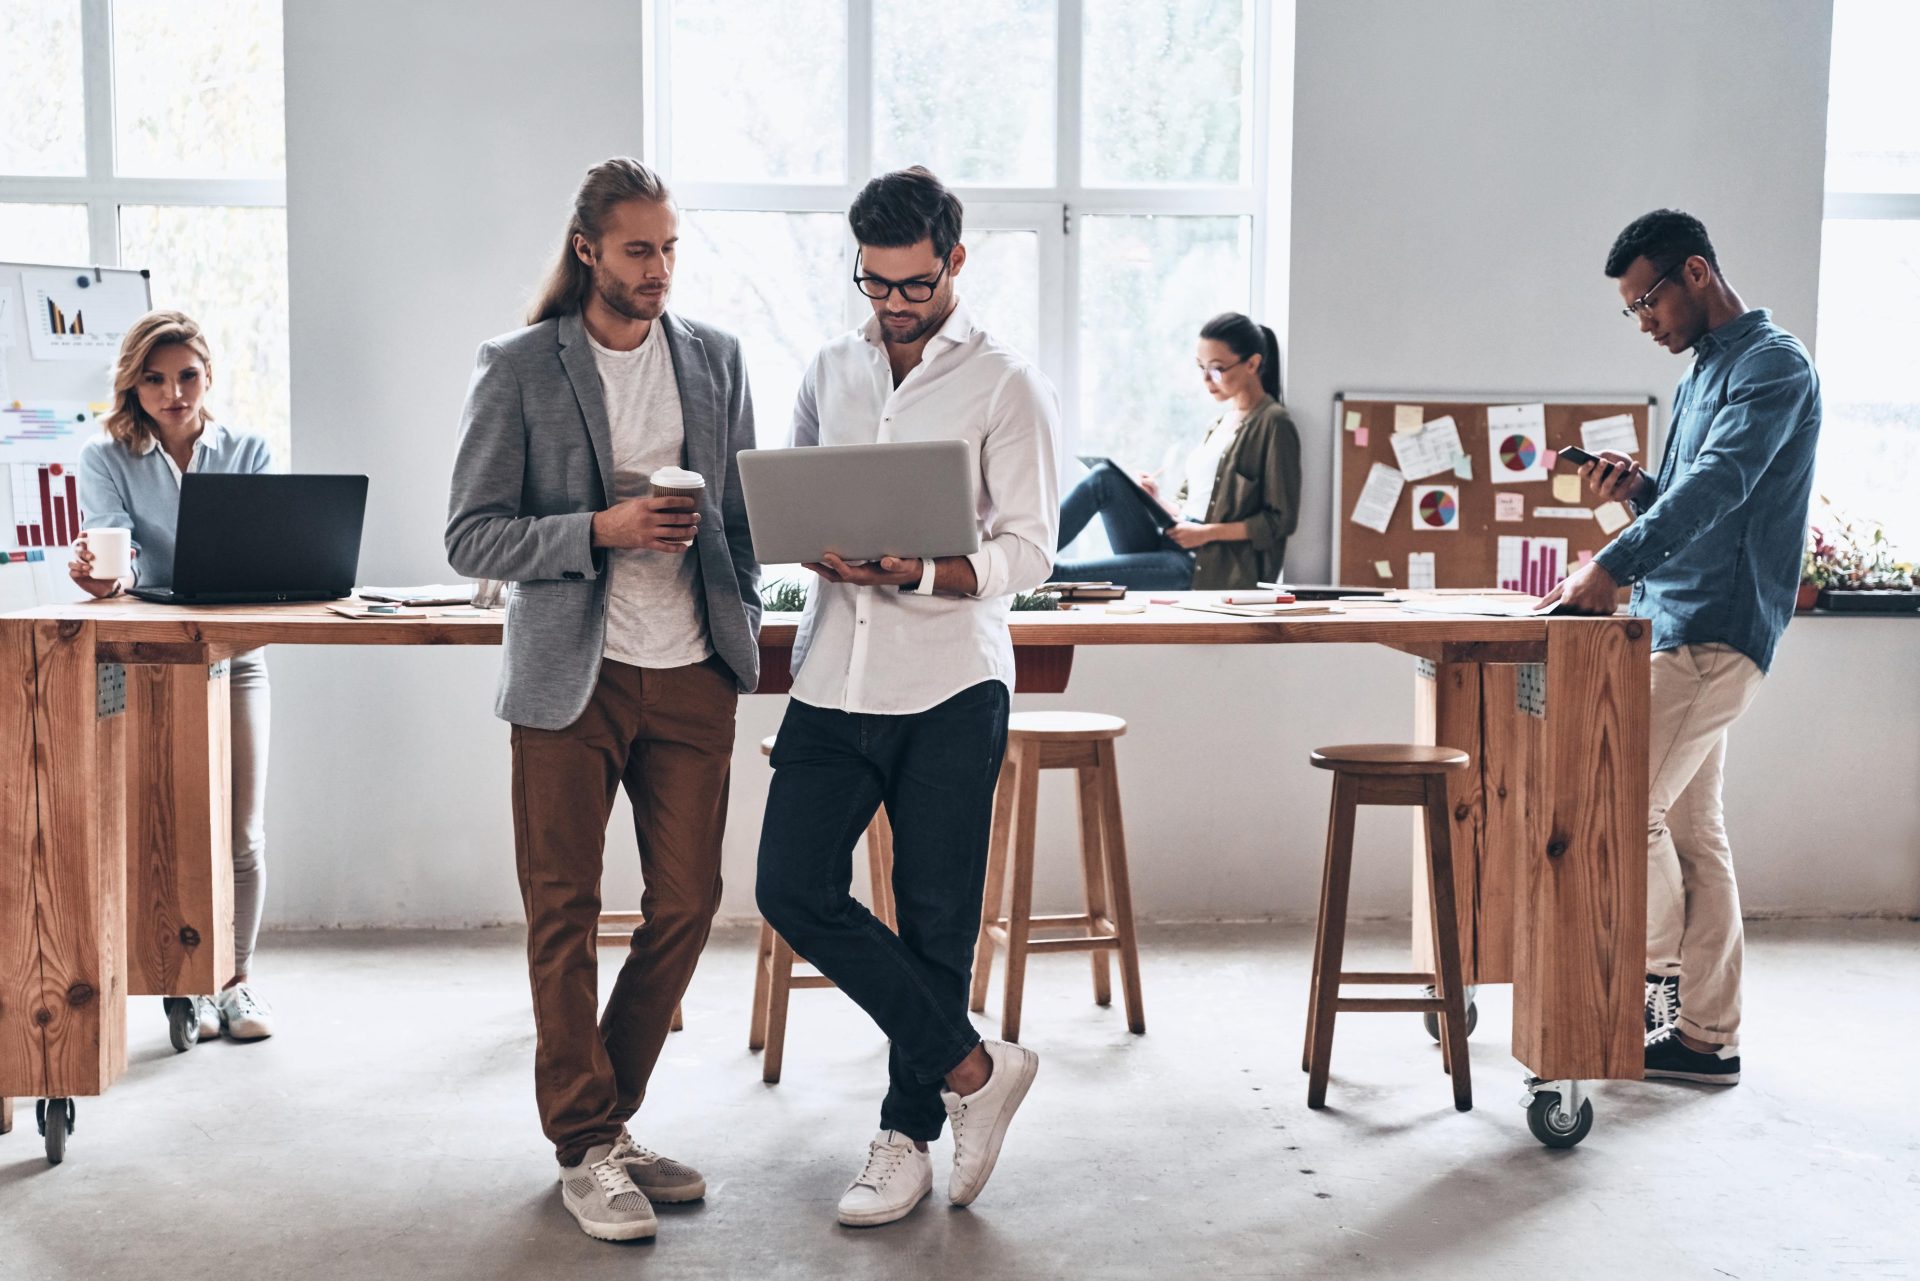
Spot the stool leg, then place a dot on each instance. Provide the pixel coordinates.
(880, 868)
(991, 901)
(1319, 939)
(757, 1030)
(1446, 942)
(1093, 873)
(779, 987)
(1333, 935)
(1020, 914)
(1120, 886)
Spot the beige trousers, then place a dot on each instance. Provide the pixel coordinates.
(1693, 905)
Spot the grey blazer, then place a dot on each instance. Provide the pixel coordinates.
(535, 458)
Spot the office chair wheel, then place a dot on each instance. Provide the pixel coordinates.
(183, 1022)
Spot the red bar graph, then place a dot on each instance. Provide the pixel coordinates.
(73, 508)
(1532, 565)
(46, 509)
(46, 505)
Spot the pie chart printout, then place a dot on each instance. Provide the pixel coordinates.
(1518, 453)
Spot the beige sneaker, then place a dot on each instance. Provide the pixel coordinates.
(247, 1017)
(602, 1199)
(661, 1179)
(896, 1176)
(979, 1120)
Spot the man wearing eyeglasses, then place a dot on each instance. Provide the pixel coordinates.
(1714, 560)
(902, 673)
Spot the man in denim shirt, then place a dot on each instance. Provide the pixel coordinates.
(1714, 560)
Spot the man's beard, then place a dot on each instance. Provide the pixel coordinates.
(913, 335)
(629, 303)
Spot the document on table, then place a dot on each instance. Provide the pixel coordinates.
(1429, 451)
(1616, 433)
(1379, 498)
(1490, 606)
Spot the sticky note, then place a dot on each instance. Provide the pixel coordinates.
(1612, 517)
(1509, 507)
(1383, 568)
(1408, 418)
(1549, 457)
(1360, 437)
(1585, 555)
(1566, 489)
(1353, 420)
(1463, 466)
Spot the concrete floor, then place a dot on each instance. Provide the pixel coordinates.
(389, 1131)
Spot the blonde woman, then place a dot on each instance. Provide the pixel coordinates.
(160, 429)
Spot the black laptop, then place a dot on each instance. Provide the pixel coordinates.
(246, 540)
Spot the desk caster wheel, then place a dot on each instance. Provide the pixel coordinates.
(1431, 1021)
(1553, 1124)
(55, 1119)
(183, 1022)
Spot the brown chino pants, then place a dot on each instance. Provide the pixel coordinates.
(666, 735)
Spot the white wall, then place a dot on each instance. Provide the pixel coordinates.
(432, 148)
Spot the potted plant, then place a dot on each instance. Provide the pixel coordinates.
(1850, 564)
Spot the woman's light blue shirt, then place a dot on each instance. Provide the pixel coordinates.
(121, 488)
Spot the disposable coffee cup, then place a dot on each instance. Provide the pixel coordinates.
(112, 551)
(678, 482)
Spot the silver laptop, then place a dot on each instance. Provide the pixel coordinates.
(861, 501)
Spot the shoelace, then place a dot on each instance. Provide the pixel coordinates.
(1663, 1003)
(243, 1002)
(613, 1177)
(627, 1150)
(882, 1160)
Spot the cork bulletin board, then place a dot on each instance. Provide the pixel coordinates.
(1491, 516)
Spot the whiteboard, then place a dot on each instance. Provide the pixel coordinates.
(60, 329)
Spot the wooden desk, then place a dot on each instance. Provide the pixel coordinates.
(101, 900)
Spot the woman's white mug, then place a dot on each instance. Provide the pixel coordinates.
(112, 551)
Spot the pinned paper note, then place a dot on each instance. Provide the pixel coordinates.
(1353, 420)
(1585, 556)
(1429, 451)
(1563, 513)
(1463, 466)
(1509, 507)
(1566, 488)
(1612, 517)
(1408, 418)
(1360, 437)
(1383, 568)
(1549, 459)
(1436, 508)
(1517, 443)
(1378, 499)
(1616, 433)
(1420, 571)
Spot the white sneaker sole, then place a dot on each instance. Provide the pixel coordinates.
(617, 1231)
(1030, 1068)
(1698, 1078)
(886, 1214)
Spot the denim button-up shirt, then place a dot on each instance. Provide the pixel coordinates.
(140, 490)
(1715, 555)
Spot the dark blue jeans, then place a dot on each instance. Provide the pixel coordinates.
(935, 772)
(1142, 558)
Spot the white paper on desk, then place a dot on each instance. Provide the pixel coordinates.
(1490, 606)
(1429, 451)
(1516, 443)
(1379, 498)
(1616, 433)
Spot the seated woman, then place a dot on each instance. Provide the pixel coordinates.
(130, 479)
(1238, 499)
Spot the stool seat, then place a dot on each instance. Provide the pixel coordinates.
(1065, 727)
(1390, 758)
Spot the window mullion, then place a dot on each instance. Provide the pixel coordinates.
(96, 62)
(859, 92)
(1067, 132)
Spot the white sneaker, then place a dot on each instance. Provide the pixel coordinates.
(207, 1010)
(602, 1199)
(661, 1179)
(247, 1017)
(897, 1175)
(980, 1119)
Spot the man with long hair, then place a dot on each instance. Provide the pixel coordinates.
(631, 630)
(901, 681)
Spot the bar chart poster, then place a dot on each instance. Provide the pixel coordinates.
(46, 505)
(47, 432)
(72, 316)
(1532, 565)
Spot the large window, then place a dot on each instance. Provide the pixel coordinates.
(1870, 270)
(151, 133)
(1112, 154)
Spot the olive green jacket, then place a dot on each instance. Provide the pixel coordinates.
(1258, 482)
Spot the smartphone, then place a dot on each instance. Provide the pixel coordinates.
(1576, 455)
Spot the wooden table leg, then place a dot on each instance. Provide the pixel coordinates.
(1581, 927)
(63, 986)
(6, 1116)
(179, 830)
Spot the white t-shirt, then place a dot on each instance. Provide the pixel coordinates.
(656, 616)
(1203, 464)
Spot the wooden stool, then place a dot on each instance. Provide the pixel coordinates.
(1387, 774)
(1083, 742)
(776, 965)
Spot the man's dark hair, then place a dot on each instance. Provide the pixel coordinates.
(1666, 238)
(904, 208)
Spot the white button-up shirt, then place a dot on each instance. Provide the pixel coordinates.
(881, 650)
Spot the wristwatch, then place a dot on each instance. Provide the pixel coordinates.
(926, 577)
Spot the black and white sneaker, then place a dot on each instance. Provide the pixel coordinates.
(1669, 1059)
(1663, 1001)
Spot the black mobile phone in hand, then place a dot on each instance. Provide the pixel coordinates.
(1576, 455)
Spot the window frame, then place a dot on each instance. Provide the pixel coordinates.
(1253, 198)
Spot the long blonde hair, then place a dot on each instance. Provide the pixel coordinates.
(128, 423)
(607, 184)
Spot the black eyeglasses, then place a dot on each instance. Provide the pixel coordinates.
(1215, 373)
(878, 287)
(1644, 303)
